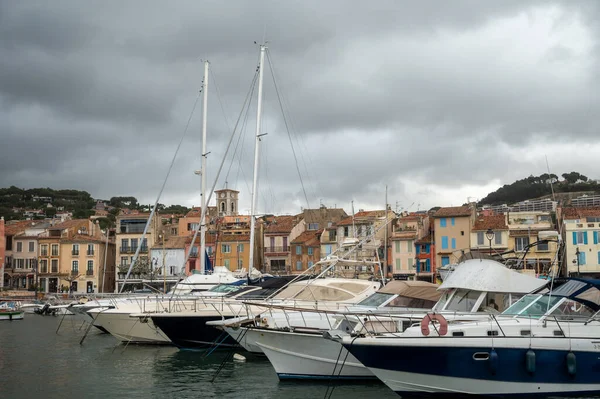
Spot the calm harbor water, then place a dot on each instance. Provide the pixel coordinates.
(35, 362)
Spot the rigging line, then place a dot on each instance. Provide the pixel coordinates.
(135, 256)
(203, 214)
(214, 79)
(287, 127)
(301, 144)
(240, 146)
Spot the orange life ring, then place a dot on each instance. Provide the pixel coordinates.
(430, 318)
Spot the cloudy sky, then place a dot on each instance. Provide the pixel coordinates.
(440, 101)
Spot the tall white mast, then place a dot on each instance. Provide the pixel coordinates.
(256, 151)
(203, 176)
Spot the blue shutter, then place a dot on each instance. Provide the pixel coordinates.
(445, 260)
(452, 221)
(574, 238)
(444, 242)
(585, 238)
(443, 222)
(599, 257)
(454, 243)
(595, 237)
(582, 258)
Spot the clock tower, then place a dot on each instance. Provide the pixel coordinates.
(227, 202)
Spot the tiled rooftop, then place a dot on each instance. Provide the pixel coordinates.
(495, 222)
(453, 211)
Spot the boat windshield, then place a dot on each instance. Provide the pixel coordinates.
(572, 310)
(442, 301)
(463, 301)
(534, 306)
(406, 302)
(377, 299)
(497, 302)
(225, 288)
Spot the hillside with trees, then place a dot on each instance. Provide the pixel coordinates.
(539, 186)
(14, 201)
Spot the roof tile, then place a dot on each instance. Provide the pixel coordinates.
(453, 211)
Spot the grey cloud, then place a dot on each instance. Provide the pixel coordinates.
(379, 93)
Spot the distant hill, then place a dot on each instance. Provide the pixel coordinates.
(80, 203)
(540, 186)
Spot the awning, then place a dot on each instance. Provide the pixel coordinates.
(413, 289)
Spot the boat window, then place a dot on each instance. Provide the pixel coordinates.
(496, 302)
(463, 301)
(405, 302)
(442, 301)
(533, 306)
(320, 293)
(572, 310)
(590, 295)
(376, 299)
(225, 288)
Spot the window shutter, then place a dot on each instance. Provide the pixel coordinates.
(585, 241)
(595, 237)
(574, 238)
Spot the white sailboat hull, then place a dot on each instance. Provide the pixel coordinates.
(309, 356)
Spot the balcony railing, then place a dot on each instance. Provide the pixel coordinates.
(74, 252)
(144, 249)
(90, 253)
(89, 272)
(127, 250)
(43, 269)
(194, 255)
(74, 272)
(55, 269)
(285, 248)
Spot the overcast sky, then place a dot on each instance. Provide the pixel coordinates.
(440, 101)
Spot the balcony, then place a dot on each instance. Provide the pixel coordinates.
(74, 272)
(194, 255)
(89, 272)
(277, 250)
(75, 253)
(54, 269)
(43, 270)
(90, 253)
(127, 250)
(144, 249)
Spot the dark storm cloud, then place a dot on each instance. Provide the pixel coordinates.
(419, 96)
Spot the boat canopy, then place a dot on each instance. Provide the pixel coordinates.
(490, 276)
(413, 289)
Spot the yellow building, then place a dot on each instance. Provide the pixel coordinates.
(233, 251)
(452, 232)
(86, 265)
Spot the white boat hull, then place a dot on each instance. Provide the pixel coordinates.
(406, 383)
(13, 315)
(309, 356)
(246, 337)
(130, 329)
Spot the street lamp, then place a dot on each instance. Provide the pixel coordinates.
(490, 236)
(577, 260)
